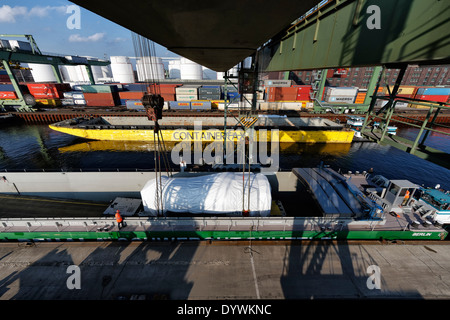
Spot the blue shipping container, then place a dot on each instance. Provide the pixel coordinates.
(135, 87)
(180, 105)
(201, 105)
(135, 105)
(434, 91)
(233, 95)
(6, 87)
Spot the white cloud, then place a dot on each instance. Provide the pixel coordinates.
(92, 38)
(118, 39)
(9, 14)
(45, 11)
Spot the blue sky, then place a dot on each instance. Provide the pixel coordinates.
(47, 20)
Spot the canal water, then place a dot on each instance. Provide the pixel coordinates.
(37, 147)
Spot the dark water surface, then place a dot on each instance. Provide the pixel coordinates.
(37, 147)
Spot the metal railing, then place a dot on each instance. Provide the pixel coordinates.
(416, 147)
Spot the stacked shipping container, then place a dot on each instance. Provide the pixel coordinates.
(130, 92)
(282, 94)
(201, 105)
(433, 94)
(135, 105)
(186, 93)
(7, 91)
(209, 93)
(4, 77)
(48, 90)
(180, 105)
(167, 91)
(361, 96)
(293, 93)
(100, 99)
(402, 92)
(100, 95)
(73, 98)
(290, 97)
(304, 93)
(48, 94)
(340, 94)
(232, 93)
(8, 95)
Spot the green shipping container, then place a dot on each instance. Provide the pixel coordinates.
(99, 88)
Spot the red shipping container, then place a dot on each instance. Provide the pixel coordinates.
(283, 98)
(303, 97)
(282, 94)
(437, 98)
(303, 89)
(167, 90)
(99, 99)
(8, 95)
(284, 90)
(304, 93)
(131, 95)
(48, 90)
(44, 95)
(169, 85)
(163, 88)
(41, 87)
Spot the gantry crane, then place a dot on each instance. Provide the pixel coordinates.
(14, 56)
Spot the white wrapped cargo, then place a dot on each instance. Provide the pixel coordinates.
(219, 193)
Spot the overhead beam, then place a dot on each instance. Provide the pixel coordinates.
(215, 34)
(344, 33)
(25, 57)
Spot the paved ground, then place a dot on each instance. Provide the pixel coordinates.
(195, 271)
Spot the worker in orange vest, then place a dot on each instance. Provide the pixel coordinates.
(407, 195)
(119, 219)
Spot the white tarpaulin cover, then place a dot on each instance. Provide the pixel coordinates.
(219, 193)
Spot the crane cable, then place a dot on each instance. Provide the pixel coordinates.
(153, 103)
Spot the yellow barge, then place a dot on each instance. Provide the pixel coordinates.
(207, 129)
